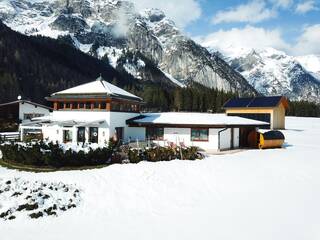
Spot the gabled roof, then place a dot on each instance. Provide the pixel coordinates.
(193, 120)
(97, 88)
(254, 102)
(25, 101)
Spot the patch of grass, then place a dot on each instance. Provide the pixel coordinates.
(28, 207)
(16, 194)
(37, 169)
(50, 211)
(5, 214)
(36, 215)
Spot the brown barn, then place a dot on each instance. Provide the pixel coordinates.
(267, 109)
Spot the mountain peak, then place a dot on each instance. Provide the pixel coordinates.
(153, 14)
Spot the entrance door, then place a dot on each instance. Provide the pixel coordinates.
(120, 133)
(67, 136)
(93, 134)
(81, 135)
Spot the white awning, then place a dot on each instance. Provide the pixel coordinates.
(48, 120)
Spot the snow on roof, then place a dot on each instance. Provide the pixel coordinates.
(188, 118)
(25, 101)
(99, 86)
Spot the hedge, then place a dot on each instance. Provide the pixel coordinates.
(52, 155)
(157, 154)
(41, 154)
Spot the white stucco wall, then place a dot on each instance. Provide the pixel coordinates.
(236, 137)
(177, 135)
(118, 119)
(106, 130)
(27, 108)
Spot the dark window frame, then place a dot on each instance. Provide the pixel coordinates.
(155, 133)
(199, 135)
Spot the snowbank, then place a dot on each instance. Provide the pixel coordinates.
(256, 194)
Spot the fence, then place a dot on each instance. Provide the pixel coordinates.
(14, 136)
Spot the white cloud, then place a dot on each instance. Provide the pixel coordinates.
(251, 12)
(182, 12)
(308, 42)
(282, 3)
(238, 39)
(306, 6)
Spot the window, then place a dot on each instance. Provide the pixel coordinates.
(96, 105)
(199, 134)
(61, 105)
(81, 105)
(115, 106)
(93, 134)
(103, 105)
(68, 105)
(29, 116)
(81, 135)
(154, 133)
(74, 105)
(88, 105)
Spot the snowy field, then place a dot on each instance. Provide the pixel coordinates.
(256, 194)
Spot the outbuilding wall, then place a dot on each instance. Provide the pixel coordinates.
(277, 114)
(183, 135)
(27, 108)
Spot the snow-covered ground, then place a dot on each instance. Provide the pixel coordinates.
(256, 194)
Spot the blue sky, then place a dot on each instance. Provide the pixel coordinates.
(292, 26)
(287, 19)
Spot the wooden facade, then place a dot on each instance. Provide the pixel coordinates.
(92, 104)
(275, 114)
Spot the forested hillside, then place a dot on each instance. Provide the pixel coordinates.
(37, 66)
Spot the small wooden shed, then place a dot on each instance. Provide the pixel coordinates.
(267, 109)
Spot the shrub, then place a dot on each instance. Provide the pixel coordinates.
(52, 155)
(135, 155)
(160, 154)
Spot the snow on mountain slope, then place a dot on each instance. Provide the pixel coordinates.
(311, 63)
(273, 72)
(249, 195)
(116, 24)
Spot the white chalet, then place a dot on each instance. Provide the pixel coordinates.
(96, 111)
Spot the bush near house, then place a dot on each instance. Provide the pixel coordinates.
(52, 155)
(157, 154)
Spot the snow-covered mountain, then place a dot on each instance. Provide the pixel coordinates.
(273, 72)
(311, 63)
(147, 45)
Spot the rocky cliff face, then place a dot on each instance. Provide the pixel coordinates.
(113, 30)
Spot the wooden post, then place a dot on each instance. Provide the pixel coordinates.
(108, 106)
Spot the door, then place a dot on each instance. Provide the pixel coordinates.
(93, 135)
(120, 133)
(67, 136)
(81, 135)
